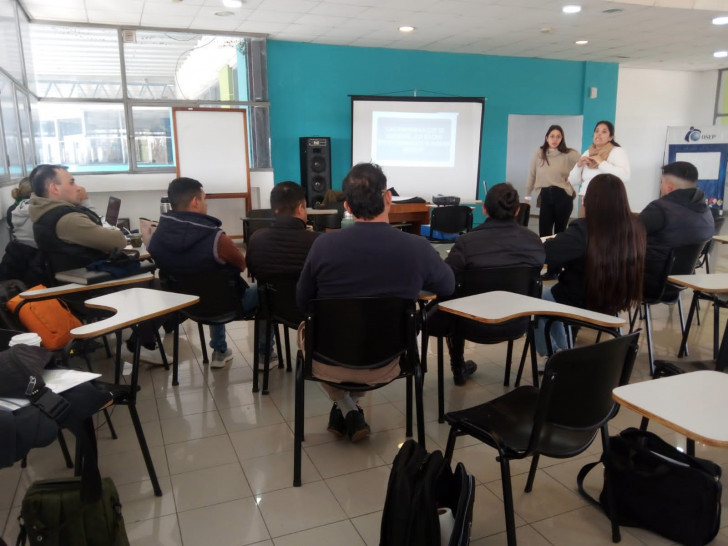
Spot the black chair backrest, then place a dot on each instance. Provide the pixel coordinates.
(220, 293)
(452, 219)
(322, 222)
(361, 332)
(524, 214)
(521, 279)
(686, 257)
(577, 389)
(251, 225)
(260, 213)
(278, 300)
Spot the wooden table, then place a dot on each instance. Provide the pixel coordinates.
(690, 403)
(708, 285)
(132, 307)
(317, 212)
(414, 214)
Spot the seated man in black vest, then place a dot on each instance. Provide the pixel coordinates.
(188, 241)
(680, 217)
(72, 236)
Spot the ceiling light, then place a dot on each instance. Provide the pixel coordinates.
(720, 54)
(224, 13)
(581, 42)
(406, 28)
(232, 3)
(723, 20)
(571, 8)
(546, 30)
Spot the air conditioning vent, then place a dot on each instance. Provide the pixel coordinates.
(128, 36)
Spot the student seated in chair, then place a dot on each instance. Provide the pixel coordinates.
(71, 236)
(497, 242)
(370, 258)
(281, 250)
(188, 241)
(679, 217)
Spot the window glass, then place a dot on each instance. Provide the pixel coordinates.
(10, 126)
(25, 136)
(9, 41)
(3, 166)
(153, 136)
(87, 137)
(73, 62)
(721, 105)
(184, 66)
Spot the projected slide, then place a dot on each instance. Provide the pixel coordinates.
(414, 139)
(426, 145)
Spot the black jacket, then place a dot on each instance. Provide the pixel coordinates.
(279, 250)
(568, 250)
(496, 243)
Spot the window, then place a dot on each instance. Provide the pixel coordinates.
(92, 119)
(721, 99)
(87, 137)
(10, 127)
(26, 137)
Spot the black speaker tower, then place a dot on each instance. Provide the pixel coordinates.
(315, 168)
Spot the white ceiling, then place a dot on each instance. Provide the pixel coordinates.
(664, 34)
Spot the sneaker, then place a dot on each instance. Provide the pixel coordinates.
(150, 356)
(219, 359)
(337, 423)
(356, 427)
(261, 361)
(460, 374)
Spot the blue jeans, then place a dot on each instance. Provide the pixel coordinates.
(217, 331)
(558, 332)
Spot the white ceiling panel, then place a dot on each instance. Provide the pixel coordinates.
(643, 33)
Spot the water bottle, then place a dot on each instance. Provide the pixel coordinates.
(164, 205)
(347, 220)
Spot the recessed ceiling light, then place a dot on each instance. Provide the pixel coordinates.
(224, 13)
(546, 30)
(232, 3)
(406, 28)
(720, 54)
(581, 42)
(723, 20)
(571, 8)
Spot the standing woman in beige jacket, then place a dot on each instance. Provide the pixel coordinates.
(547, 175)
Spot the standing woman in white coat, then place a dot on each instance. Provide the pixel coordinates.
(603, 156)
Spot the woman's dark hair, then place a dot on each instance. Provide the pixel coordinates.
(502, 202)
(615, 251)
(562, 147)
(610, 127)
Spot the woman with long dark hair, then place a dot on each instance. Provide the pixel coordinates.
(602, 255)
(604, 156)
(548, 177)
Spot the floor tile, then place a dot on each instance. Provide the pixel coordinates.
(361, 492)
(342, 532)
(297, 508)
(275, 471)
(209, 486)
(234, 523)
(162, 531)
(192, 427)
(198, 454)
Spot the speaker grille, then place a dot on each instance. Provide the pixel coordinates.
(315, 168)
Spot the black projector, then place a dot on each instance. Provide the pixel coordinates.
(445, 200)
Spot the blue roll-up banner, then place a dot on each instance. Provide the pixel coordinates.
(706, 147)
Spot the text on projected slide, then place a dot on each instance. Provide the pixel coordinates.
(414, 139)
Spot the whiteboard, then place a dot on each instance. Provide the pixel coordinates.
(211, 145)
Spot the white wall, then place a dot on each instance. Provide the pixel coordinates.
(648, 101)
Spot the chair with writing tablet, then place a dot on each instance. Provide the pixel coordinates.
(450, 221)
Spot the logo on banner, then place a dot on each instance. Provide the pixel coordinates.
(692, 135)
(695, 135)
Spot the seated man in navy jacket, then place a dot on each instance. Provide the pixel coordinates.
(368, 259)
(187, 241)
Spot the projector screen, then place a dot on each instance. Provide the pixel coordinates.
(426, 146)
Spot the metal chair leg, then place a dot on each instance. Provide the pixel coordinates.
(203, 344)
(440, 382)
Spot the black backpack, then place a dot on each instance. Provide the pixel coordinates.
(420, 485)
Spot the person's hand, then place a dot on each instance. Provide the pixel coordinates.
(583, 160)
(527, 199)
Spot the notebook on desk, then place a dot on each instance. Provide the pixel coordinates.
(112, 211)
(85, 276)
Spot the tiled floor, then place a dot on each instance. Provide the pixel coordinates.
(224, 458)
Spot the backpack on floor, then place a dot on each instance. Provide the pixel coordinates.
(427, 503)
(54, 514)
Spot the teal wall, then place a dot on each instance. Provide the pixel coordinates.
(310, 84)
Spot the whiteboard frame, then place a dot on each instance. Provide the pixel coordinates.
(211, 145)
